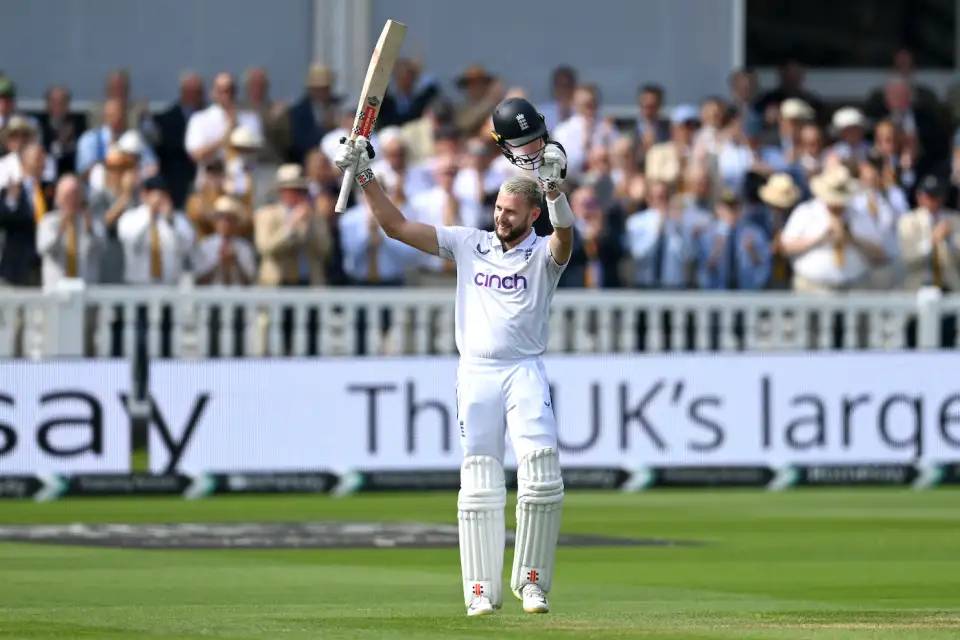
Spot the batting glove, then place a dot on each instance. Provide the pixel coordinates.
(554, 167)
(356, 153)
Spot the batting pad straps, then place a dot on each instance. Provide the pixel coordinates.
(561, 215)
(539, 503)
(481, 527)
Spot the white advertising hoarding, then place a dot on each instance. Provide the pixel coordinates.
(625, 411)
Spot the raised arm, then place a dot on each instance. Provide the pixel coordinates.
(551, 174)
(358, 153)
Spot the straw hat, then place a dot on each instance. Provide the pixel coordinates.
(796, 109)
(290, 176)
(473, 72)
(131, 143)
(226, 205)
(848, 117)
(780, 191)
(243, 139)
(835, 186)
(320, 76)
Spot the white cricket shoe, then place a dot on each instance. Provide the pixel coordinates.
(534, 599)
(480, 606)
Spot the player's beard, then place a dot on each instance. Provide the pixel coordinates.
(511, 234)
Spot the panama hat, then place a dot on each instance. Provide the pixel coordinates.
(835, 186)
(796, 109)
(780, 191)
(290, 176)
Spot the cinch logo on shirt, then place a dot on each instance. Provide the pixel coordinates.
(493, 281)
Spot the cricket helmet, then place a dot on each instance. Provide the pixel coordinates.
(520, 132)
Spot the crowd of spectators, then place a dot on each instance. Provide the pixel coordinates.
(775, 189)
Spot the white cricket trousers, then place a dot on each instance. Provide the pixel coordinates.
(495, 397)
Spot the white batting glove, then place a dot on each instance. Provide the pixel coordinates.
(356, 153)
(554, 167)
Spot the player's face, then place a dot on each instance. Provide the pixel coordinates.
(512, 216)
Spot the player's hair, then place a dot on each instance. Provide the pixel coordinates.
(523, 186)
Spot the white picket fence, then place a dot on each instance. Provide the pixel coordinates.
(199, 322)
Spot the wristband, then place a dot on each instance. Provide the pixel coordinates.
(559, 212)
(365, 177)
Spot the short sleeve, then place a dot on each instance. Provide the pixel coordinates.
(553, 267)
(450, 240)
(797, 224)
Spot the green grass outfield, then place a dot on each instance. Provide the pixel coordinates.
(865, 563)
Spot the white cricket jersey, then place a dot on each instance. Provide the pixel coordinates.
(503, 297)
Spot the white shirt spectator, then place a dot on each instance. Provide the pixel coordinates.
(206, 259)
(820, 265)
(210, 125)
(428, 208)
(53, 246)
(571, 133)
(176, 241)
(393, 257)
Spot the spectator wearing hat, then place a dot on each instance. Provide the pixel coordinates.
(929, 238)
(8, 107)
(780, 193)
(16, 136)
(176, 165)
(793, 114)
(732, 252)
(119, 192)
(667, 161)
(314, 114)
(156, 238)
(658, 241)
(132, 145)
(211, 184)
(409, 94)
(241, 167)
(69, 238)
(481, 94)
(883, 203)
(652, 127)
(224, 257)
(563, 82)
(850, 127)
(292, 240)
(584, 129)
(833, 247)
(208, 130)
(60, 129)
(597, 248)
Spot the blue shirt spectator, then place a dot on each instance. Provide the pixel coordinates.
(732, 253)
(660, 242)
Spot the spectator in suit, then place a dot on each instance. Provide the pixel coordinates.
(883, 203)
(809, 160)
(899, 154)
(563, 82)
(408, 96)
(850, 126)
(19, 263)
(929, 239)
(33, 160)
(652, 128)
(224, 257)
(743, 91)
(902, 67)
(290, 236)
(314, 114)
(597, 249)
(659, 243)
(8, 108)
(780, 194)
(792, 77)
(732, 252)
(69, 238)
(60, 129)
(833, 247)
(119, 192)
(482, 93)
(156, 238)
(176, 165)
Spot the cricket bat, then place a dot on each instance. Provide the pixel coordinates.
(371, 96)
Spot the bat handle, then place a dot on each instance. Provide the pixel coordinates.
(345, 187)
